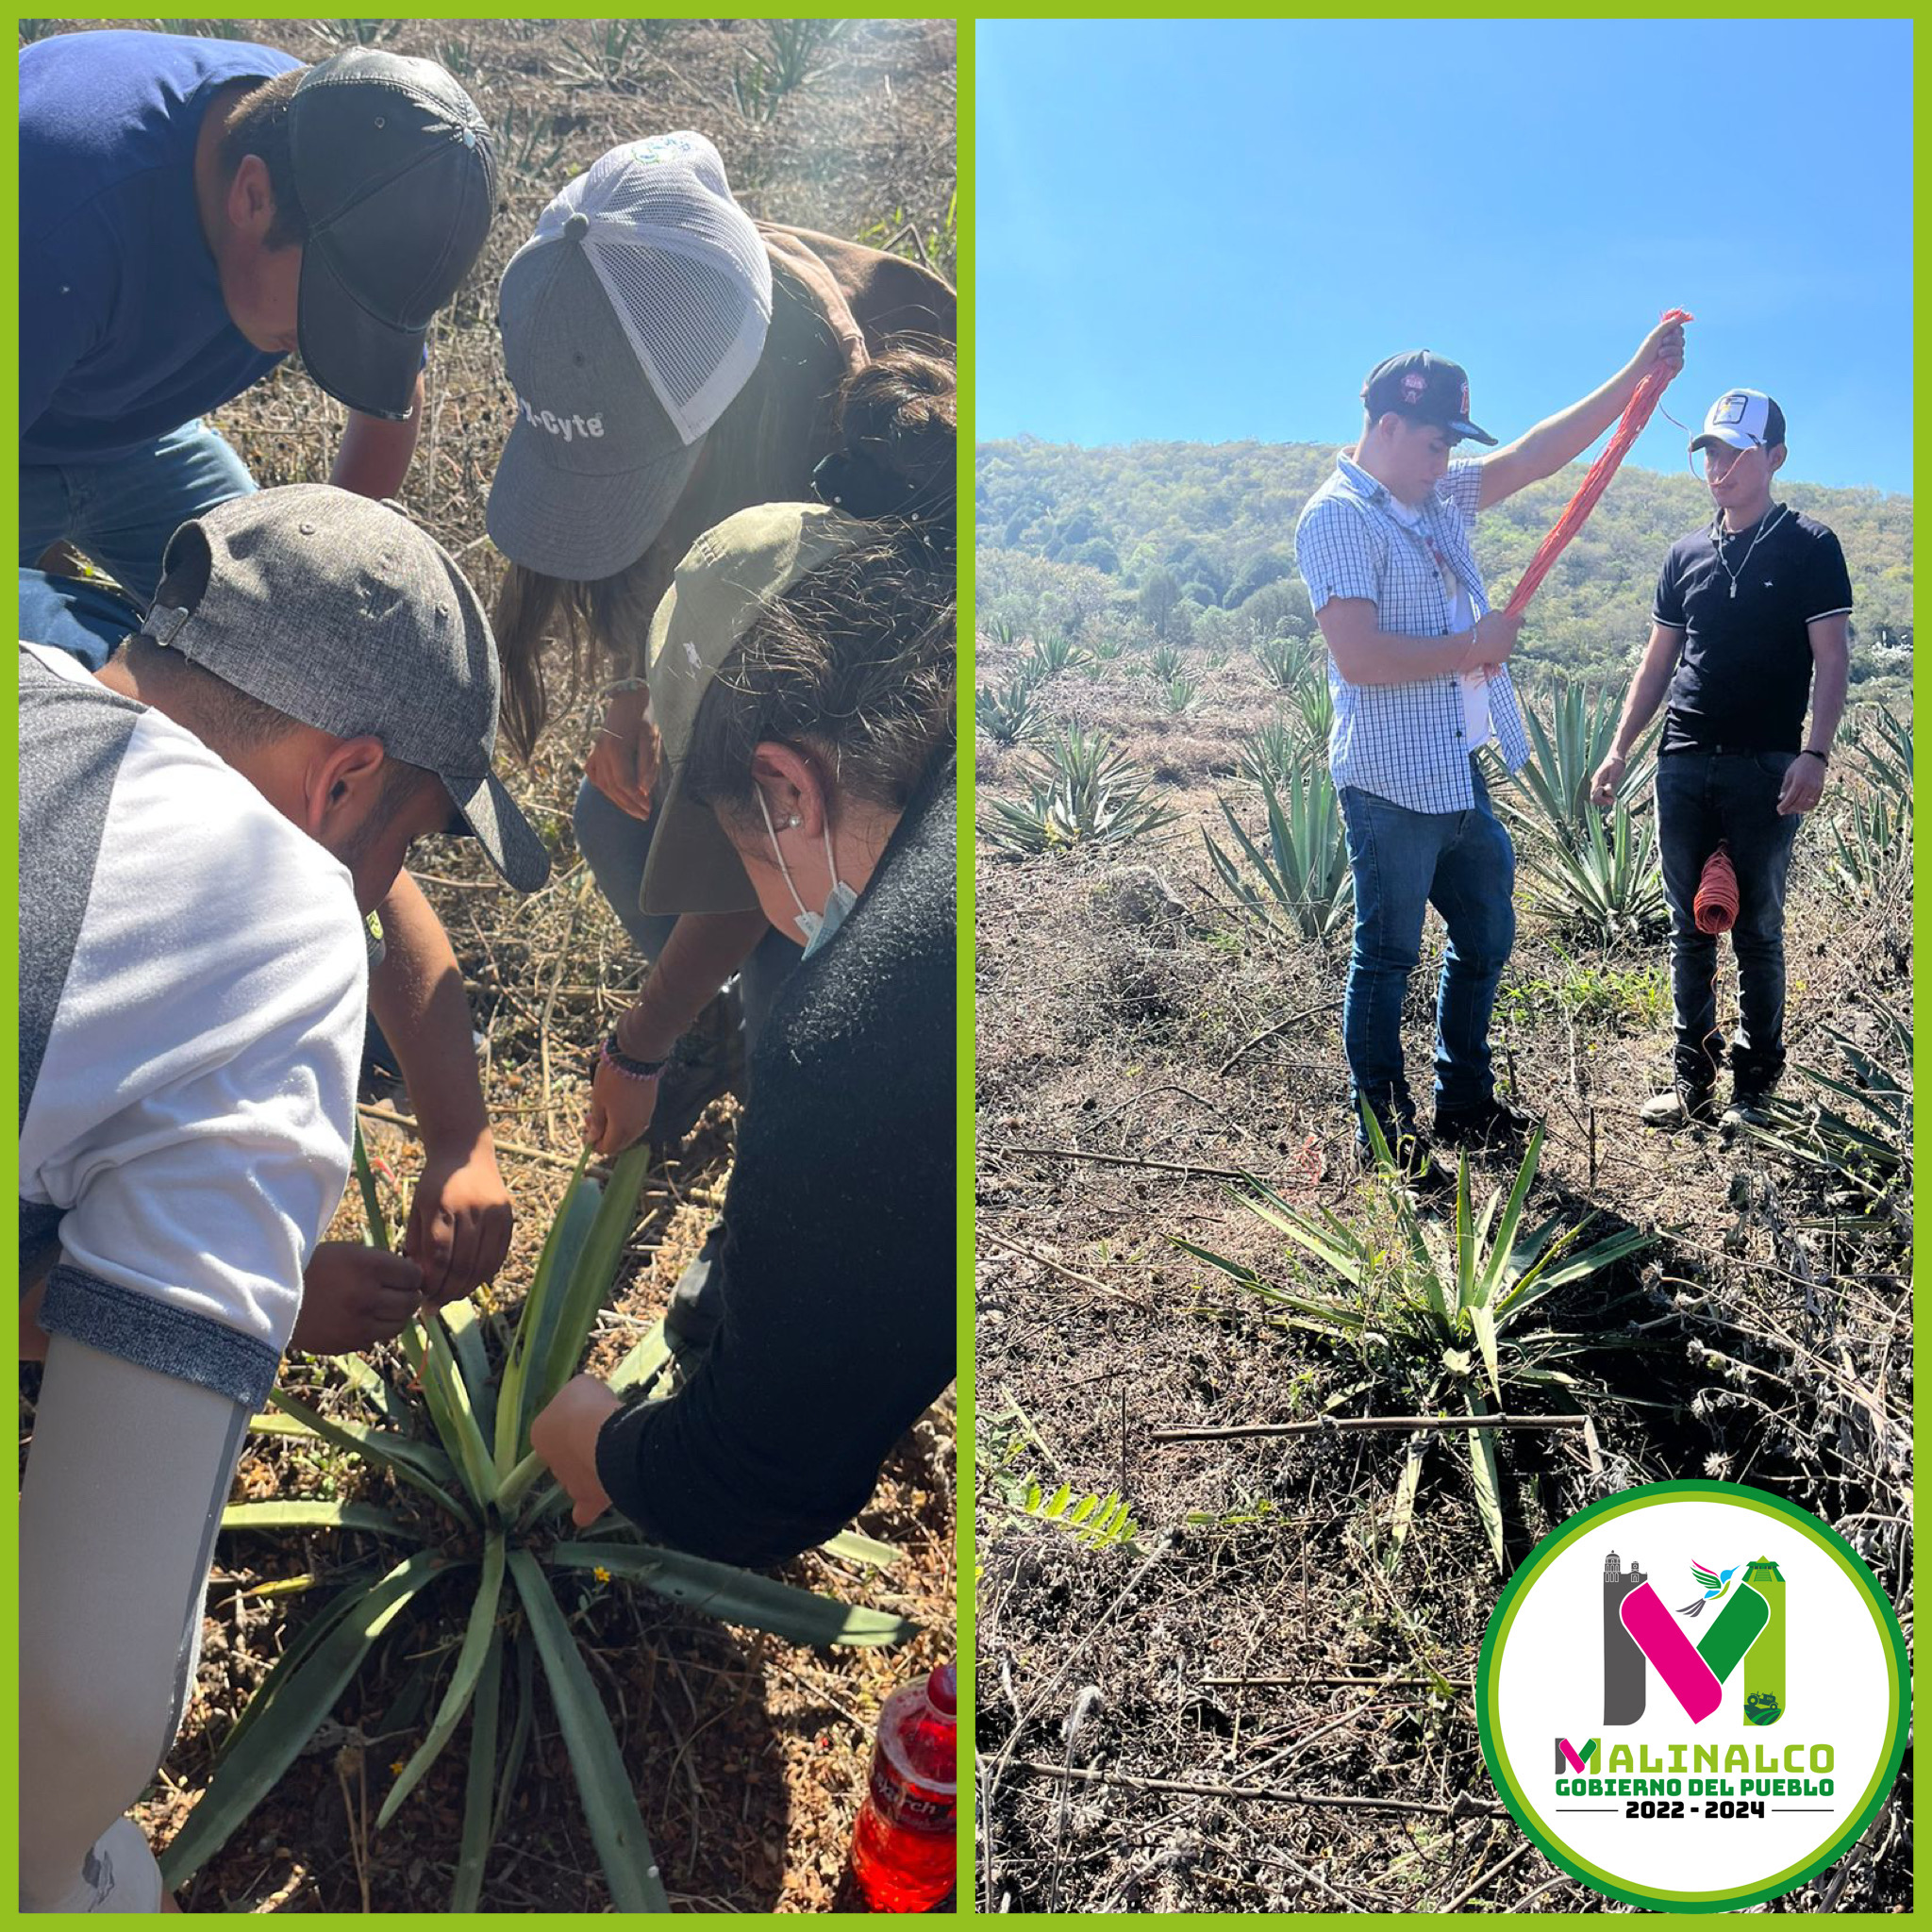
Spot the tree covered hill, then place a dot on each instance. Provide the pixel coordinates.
(1199, 538)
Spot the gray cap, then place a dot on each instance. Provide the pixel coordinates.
(630, 319)
(339, 612)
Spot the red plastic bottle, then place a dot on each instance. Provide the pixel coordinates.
(903, 1847)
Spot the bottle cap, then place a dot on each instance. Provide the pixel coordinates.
(941, 1690)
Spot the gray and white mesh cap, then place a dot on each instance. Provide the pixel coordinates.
(341, 614)
(630, 319)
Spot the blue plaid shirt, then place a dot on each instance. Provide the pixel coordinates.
(1405, 742)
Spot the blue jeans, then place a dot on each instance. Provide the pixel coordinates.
(120, 513)
(1702, 798)
(615, 846)
(74, 614)
(1404, 861)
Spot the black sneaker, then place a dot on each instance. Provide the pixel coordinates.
(1486, 1124)
(1410, 1160)
(1686, 1102)
(1750, 1106)
(707, 1062)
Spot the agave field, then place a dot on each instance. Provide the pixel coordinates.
(419, 1686)
(1259, 1431)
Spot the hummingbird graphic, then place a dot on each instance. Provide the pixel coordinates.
(1714, 1585)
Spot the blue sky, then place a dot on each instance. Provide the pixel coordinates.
(1210, 231)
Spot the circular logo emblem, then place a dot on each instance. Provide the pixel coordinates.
(1693, 1696)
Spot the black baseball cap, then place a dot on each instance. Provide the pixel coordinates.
(397, 179)
(1426, 388)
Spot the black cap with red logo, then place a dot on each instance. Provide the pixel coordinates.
(1426, 388)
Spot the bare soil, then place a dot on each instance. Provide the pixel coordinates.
(750, 1755)
(1124, 1011)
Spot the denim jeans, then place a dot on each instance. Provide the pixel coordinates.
(615, 846)
(1404, 861)
(121, 513)
(86, 619)
(1702, 798)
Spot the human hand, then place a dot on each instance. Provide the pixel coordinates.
(565, 1436)
(1662, 348)
(1610, 775)
(1494, 637)
(459, 1221)
(1803, 787)
(619, 1109)
(622, 762)
(353, 1297)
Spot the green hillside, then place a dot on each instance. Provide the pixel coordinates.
(1066, 534)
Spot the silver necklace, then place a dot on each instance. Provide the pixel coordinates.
(1764, 530)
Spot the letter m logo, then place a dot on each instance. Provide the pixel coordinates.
(1569, 1758)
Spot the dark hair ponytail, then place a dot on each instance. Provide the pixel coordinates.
(858, 660)
(898, 416)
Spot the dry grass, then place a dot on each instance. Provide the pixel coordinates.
(1122, 1011)
(751, 1755)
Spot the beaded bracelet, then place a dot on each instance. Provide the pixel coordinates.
(1810, 752)
(613, 1056)
(622, 685)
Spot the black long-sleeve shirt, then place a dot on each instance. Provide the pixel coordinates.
(839, 1250)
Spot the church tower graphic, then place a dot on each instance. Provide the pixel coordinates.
(1626, 1679)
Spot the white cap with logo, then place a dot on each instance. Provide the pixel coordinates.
(1745, 419)
(630, 319)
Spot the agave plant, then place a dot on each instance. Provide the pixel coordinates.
(1050, 655)
(1563, 761)
(1314, 704)
(1449, 1318)
(1179, 696)
(491, 1576)
(1008, 715)
(1085, 793)
(1271, 751)
(1164, 663)
(1298, 884)
(1871, 846)
(1880, 742)
(1862, 1138)
(1610, 885)
(1285, 661)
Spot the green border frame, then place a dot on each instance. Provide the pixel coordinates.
(1629, 1502)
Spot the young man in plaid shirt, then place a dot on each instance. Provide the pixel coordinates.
(1417, 667)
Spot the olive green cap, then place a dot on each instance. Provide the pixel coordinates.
(727, 579)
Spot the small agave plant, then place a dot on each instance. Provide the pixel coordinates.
(490, 1567)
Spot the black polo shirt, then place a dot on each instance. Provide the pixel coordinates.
(1744, 679)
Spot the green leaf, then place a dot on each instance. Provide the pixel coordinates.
(296, 1706)
(412, 1462)
(1407, 1483)
(354, 1587)
(1488, 1482)
(589, 1286)
(479, 1640)
(513, 1753)
(855, 1548)
(363, 1378)
(312, 1515)
(647, 1359)
(1501, 1247)
(472, 1359)
(449, 1399)
(617, 1827)
(561, 1246)
(1483, 1320)
(738, 1596)
(479, 1820)
(372, 1201)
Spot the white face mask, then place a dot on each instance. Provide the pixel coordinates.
(817, 927)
